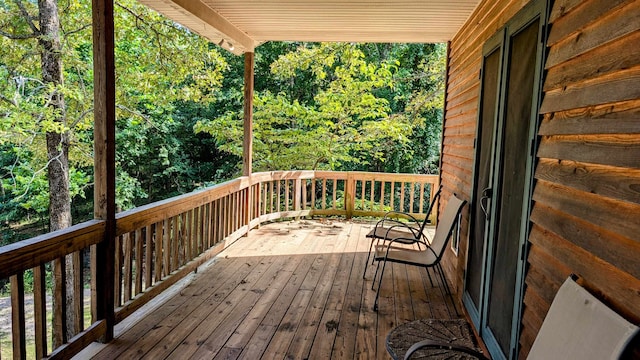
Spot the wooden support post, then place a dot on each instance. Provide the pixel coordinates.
(350, 194)
(247, 142)
(103, 254)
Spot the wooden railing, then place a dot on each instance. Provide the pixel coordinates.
(158, 244)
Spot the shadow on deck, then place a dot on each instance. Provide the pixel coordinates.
(288, 290)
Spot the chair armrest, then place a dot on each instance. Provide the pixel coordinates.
(415, 233)
(430, 344)
(400, 214)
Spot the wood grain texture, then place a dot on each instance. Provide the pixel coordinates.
(27, 254)
(562, 7)
(604, 60)
(583, 15)
(607, 181)
(613, 118)
(619, 86)
(615, 216)
(618, 289)
(610, 247)
(608, 27)
(621, 150)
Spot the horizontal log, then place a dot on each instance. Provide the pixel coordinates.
(465, 152)
(609, 58)
(616, 250)
(608, 181)
(562, 8)
(467, 93)
(615, 118)
(469, 119)
(576, 20)
(468, 128)
(612, 149)
(616, 87)
(608, 28)
(615, 216)
(30, 253)
(614, 287)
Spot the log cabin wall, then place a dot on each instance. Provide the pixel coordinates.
(463, 88)
(586, 212)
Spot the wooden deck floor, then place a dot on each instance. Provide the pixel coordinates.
(289, 290)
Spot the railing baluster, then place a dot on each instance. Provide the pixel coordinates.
(18, 320)
(297, 193)
(334, 193)
(128, 278)
(313, 194)
(158, 242)
(363, 185)
(148, 238)
(175, 242)
(166, 245)
(117, 294)
(217, 221)
(372, 194)
(40, 310)
(200, 228)
(324, 193)
(304, 194)
(411, 197)
(402, 189)
(382, 186)
(205, 226)
(187, 236)
(392, 196)
(422, 198)
(60, 302)
(78, 290)
(138, 261)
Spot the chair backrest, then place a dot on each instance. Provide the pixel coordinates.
(579, 326)
(434, 200)
(446, 224)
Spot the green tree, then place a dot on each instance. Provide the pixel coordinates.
(342, 106)
(320, 127)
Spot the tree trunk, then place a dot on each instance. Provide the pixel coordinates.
(57, 151)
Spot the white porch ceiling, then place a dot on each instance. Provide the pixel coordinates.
(248, 23)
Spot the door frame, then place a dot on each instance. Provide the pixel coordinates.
(535, 10)
(495, 43)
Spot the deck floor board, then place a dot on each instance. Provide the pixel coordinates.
(289, 290)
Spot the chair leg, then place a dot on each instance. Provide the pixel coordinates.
(375, 303)
(447, 289)
(366, 263)
(375, 275)
(429, 276)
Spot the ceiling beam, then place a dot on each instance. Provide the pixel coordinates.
(209, 16)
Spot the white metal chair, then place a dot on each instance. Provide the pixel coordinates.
(577, 326)
(391, 227)
(427, 258)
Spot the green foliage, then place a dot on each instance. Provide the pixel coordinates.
(343, 106)
(159, 64)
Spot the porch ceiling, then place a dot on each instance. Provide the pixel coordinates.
(248, 23)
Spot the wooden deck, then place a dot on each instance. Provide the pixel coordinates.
(289, 290)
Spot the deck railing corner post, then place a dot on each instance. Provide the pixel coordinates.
(350, 194)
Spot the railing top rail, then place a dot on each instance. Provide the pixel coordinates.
(29, 253)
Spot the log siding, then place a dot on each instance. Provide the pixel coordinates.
(586, 199)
